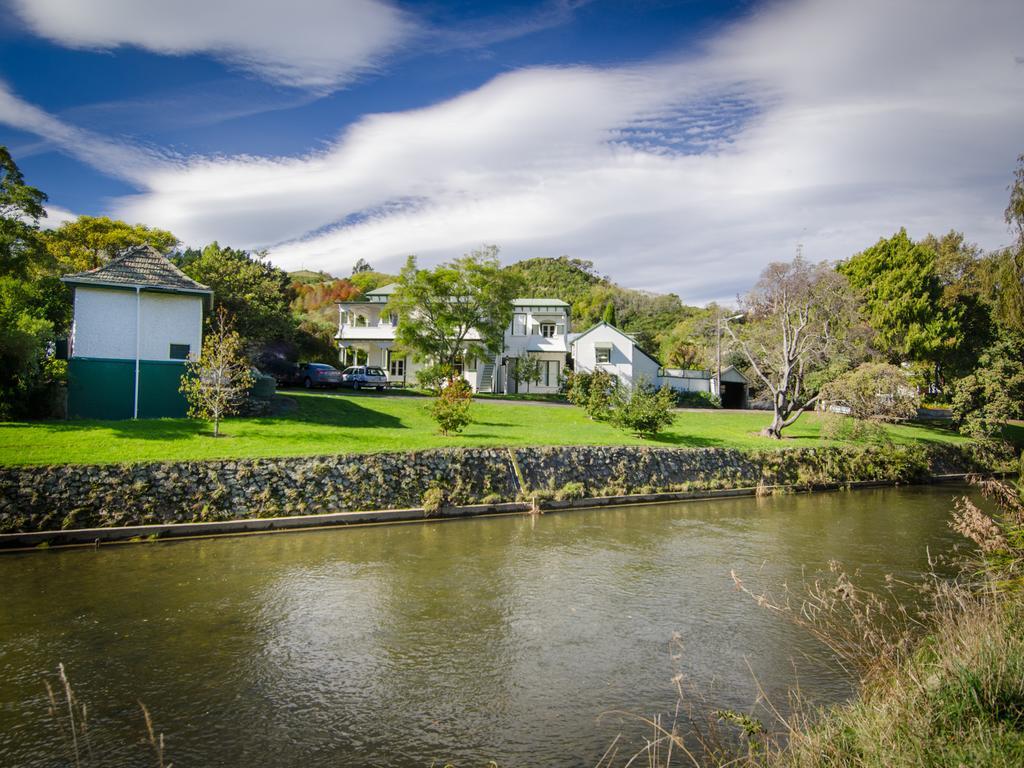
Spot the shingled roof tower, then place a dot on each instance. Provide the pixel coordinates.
(137, 319)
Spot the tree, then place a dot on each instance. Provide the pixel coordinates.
(797, 319)
(26, 295)
(959, 267)
(594, 391)
(460, 309)
(526, 369)
(901, 295)
(609, 313)
(90, 241)
(24, 334)
(1003, 275)
(994, 393)
(361, 266)
(21, 207)
(646, 411)
(451, 407)
(256, 294)
(873, 392)
(218, 382)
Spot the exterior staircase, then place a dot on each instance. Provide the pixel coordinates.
(486, 378)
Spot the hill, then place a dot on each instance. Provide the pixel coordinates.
(662, 324)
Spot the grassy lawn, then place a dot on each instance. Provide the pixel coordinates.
(331, 423)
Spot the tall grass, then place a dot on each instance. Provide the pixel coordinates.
(939, 685)
(69, 718)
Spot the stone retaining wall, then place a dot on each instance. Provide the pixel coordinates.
(81, 496)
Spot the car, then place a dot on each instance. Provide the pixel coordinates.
(310, 375)
(364, 377)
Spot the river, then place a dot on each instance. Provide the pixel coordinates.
(515, 639)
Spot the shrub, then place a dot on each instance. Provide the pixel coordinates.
(577, 388)
(595, 392)
(433, 377)
(646, 411)
(698, 400)
(433, 501)
(571, 491)
(994, 393)
(875, 391)
(451, 408)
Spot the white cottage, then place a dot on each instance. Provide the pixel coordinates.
(605, 347)
(137, 319)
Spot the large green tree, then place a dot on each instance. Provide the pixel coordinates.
(25, 328)
(901, 295)
(90, 241)
(959, 267)
(256, 294)
(21, 207)
(459, 308)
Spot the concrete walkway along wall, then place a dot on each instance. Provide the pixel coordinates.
(83, 496)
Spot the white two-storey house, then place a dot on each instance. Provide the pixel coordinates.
(539, 328)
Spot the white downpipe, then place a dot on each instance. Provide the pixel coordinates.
(138, 329)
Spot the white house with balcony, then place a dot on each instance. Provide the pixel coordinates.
(539, 328)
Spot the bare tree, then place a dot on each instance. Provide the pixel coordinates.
(217, 383)
(798, 318)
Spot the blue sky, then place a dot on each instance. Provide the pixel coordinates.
(679, 145)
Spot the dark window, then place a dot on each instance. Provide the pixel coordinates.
(179, 351)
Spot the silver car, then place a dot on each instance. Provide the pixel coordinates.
(364, 377)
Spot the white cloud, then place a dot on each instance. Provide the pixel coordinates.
(116, 158)
(317, 44)
(55, 216)
(814, 122)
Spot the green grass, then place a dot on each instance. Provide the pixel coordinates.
(344, 423)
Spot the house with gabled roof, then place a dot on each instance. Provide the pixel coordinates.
(607, 348)
(137, 320)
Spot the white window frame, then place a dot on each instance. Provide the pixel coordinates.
(546, 327)
(602, 350)
(518, 324)
(396, 366)
(547, 379)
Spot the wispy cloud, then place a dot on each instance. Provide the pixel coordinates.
(123, 159)
(813, 122)
(313, 44)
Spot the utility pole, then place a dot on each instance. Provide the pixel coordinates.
(718, 346)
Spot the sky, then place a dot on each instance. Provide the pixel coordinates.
(679, 145)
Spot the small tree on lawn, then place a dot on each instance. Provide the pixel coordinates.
(646, 411)
(216, 384)
(451, 407)
(526, 369)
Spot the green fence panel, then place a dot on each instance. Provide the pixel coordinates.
(100, 389)
(158, 390)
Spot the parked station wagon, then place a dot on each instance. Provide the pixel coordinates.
(364, 377)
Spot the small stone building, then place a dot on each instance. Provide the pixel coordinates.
(137, 319)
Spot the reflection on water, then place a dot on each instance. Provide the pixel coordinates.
(502, 638)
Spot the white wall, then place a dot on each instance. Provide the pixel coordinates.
(686, 384)
(627, 362)
(104, 324)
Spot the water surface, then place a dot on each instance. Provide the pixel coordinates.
(508, 638)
